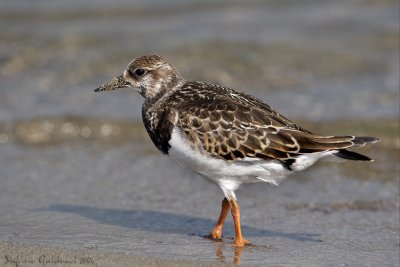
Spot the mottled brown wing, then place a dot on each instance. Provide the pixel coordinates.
(205, 93)
(229, 130)
(249, 100)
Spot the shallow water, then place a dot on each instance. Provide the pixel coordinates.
(79, 172)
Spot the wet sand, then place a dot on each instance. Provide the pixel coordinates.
(115, 199)
(39, 255)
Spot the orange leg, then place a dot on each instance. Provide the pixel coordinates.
(216, 233)
(239, 240)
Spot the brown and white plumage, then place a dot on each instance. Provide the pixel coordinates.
(233, 125)
(225, 135)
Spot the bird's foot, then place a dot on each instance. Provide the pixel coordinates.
(240, 242)
(215, 234)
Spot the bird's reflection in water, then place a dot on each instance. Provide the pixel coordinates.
(219, 252)
(236, 254)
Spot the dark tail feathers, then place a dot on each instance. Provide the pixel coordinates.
(363, 140)
(347, 154)
(358, 141)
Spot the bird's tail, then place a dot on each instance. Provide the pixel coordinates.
(339, 145)
(358, 141)
(351, 155)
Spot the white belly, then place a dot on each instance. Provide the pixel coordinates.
(229, 175)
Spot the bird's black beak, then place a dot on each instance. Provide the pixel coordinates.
(117, 82)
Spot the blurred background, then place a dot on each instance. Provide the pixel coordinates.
(331, 65)
(314, 60)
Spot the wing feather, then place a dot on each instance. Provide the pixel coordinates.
(232, 125)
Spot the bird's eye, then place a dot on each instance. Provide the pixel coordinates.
(140, 72)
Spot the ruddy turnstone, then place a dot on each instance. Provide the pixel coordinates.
(224, 135)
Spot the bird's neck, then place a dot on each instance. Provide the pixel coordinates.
(162, 91)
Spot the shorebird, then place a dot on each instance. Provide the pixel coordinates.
(227, 136)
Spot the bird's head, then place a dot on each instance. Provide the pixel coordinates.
(150, 75)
